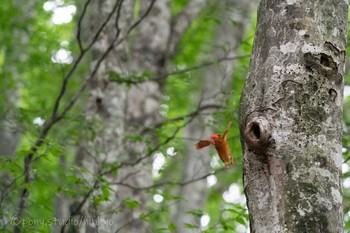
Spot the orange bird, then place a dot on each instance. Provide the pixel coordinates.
(220, 144)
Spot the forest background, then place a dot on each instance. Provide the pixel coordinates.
(61, 94)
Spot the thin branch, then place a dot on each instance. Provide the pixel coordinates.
(206, 64)
(104, 24)
(80, 44)
(166, 183)
(142, 17)
(191, 114)
(181, 71)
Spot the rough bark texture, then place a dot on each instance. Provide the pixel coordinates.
(142, 110)
(290, 117)
(197, 163)
(103, 142)
(117, 113)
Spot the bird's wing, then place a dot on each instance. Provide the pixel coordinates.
(227, 129)
(203, 143)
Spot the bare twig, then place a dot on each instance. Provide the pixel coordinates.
(191, 114)
(166, 183)
(206, 64)
(104, 24)
(181, 71)
(80, 44)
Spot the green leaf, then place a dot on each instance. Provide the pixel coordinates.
(191, 226)
(131, 203)
(197, 213)
(129, 79)
(241, 220)
(172, 226)
(135, 138)
(105, 192)
(231, 210)
(102, 179)
(98, 200)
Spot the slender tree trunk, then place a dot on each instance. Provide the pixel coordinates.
(149, 54)
(291, 117)
(103, 142)
(195, 163)
(152, 52)
(118, 113)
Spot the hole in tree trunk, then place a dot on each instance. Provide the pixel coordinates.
(255, 130)
(257, 134)
(332, 94)
(327, 61)
(324, 61)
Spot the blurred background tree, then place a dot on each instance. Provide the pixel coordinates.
(141, 82)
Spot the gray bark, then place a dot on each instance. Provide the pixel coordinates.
(117, 112)
(142, 110)
(103, 142)
(291, 117)
(197, 163)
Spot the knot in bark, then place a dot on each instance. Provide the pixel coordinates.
(257, 134)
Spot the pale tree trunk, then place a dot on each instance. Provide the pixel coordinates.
(105, 114)
(197, 163)
(149, 53)
(117, 113)
(291, 117)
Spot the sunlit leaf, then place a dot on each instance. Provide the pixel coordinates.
(131, 203)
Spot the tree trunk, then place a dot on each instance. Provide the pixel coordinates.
(103, 141)
(149, 54)
(197, 163)
(291, 117)
(118, 113)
